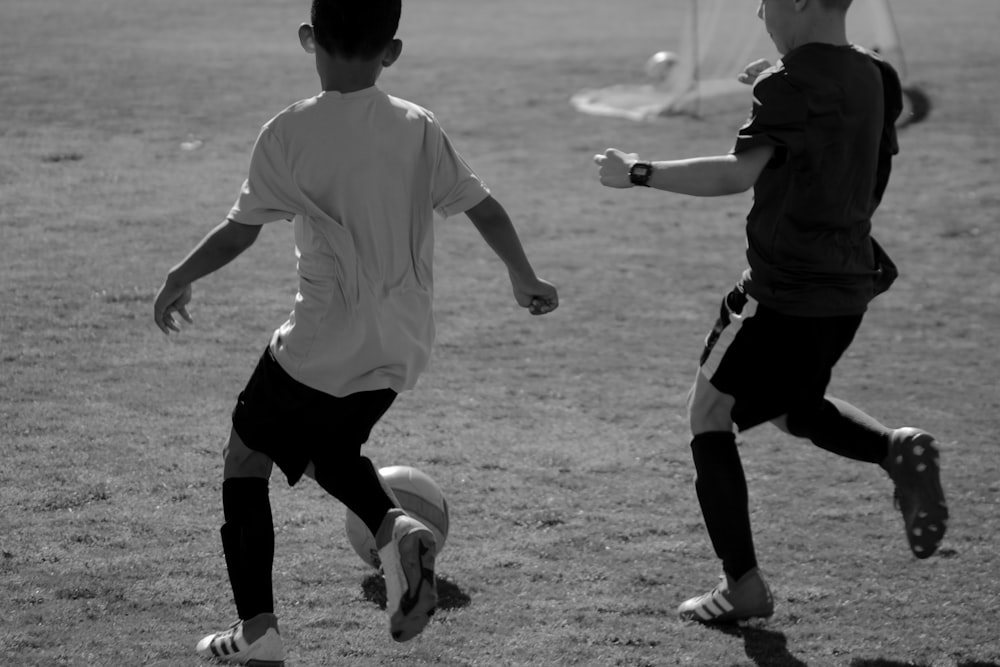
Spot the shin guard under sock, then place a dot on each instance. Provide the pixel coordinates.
(722, 494)
(356, 483)
(839, 427)
(248, 542)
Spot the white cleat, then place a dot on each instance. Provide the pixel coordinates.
(408, 567)
(231, 646)
(731, 601)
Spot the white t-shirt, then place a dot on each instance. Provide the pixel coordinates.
(361, 174)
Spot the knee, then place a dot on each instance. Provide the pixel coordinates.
(709, 410)
(241, 461)
(801, 420)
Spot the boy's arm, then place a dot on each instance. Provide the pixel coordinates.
(530, 291)
(753, 70)
(219, 247)
(701, 176)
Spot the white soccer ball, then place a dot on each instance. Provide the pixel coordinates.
(660, 64)
(418, 495)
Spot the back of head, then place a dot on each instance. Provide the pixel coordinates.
(838, 5)
(355, 29)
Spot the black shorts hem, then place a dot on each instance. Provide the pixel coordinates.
(776, 362)
(294, 424)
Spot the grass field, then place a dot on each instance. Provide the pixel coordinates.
(561, 442)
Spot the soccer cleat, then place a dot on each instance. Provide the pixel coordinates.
(913, 466)
(408, 566)
(731, 601)
(232, 646)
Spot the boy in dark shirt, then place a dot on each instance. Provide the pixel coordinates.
(817, 150)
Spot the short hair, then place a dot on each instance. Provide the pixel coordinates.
(355, 29)
(841, 5)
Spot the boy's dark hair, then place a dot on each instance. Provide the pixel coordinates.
(355, 29)
(842, 5)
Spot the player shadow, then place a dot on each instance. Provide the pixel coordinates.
(879, 662)
(450, 596)
(766, 648)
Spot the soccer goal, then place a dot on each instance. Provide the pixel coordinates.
(710, 47)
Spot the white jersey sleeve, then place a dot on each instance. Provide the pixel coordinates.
(456, 188)
(269, 193)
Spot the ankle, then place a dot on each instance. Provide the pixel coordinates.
(256, 627)
(384, 534)
(886, 463)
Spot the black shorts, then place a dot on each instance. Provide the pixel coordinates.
(294, 424)
(769, 362)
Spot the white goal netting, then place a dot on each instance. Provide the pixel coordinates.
(717, 40)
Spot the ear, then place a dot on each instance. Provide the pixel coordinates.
(306, 38)
(391, 53)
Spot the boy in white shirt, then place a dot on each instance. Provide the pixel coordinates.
(361, 174)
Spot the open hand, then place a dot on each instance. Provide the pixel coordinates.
(615, 166)
(171, 299)
(753, 70)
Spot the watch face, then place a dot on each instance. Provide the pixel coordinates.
(640, 172)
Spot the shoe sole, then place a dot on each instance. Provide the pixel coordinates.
(222, 649)
(416, 556)
(725, 617)
(927, 519)
(717, 609)
(252, 662)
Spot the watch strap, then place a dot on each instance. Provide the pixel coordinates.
(639, 173)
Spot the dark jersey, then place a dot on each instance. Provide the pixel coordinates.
(829, 112)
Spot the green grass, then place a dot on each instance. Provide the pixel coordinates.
(560, 442)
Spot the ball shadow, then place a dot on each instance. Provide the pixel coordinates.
(450, 596)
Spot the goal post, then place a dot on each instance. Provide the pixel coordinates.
(714, 42)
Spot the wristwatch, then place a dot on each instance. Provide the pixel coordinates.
(639, 173)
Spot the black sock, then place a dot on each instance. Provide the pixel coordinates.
(248, 542)
(722, 494)
(355, 482)
(841, 428)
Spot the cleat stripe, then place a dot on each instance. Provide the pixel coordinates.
(724, 603)
(711, 609)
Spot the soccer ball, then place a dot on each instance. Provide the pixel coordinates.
(418, 495)
(660, 64)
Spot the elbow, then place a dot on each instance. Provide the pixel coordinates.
(734, 186)
(242, 236)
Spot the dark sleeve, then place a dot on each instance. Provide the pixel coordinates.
(777, 119)
(892, 95)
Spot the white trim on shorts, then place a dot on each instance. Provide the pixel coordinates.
(728, 335)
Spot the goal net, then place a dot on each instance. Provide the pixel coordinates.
(714, 42)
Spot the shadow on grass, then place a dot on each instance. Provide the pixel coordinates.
(879, 662)
(450, 596)
(766, 648)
